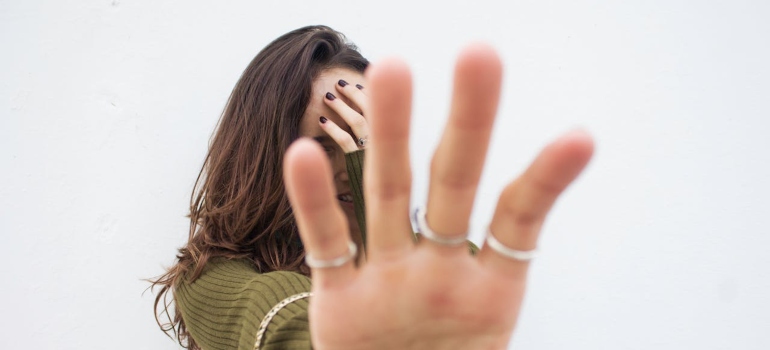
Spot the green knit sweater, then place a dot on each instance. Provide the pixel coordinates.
(224, 307)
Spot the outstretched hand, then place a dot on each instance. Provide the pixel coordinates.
(425, 295)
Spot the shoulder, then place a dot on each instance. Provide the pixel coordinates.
(227, 303)
(236, 280)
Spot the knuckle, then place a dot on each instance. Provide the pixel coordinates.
(363, 104)
(472, 124)
(546, 188)
(391, 191)
(452, 180)
(527, 219)
(517, 208)
(349, 146)
(358, 122)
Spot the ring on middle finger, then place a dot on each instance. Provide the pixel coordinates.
(429, 234)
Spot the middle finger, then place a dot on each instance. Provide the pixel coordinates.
(458, 161)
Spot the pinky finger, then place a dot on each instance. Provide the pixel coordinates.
(341, 137)
(525, 203)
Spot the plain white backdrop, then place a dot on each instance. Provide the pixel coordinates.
(106, 108)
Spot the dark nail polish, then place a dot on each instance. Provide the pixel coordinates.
(323, 120)
(359, 86)
(342, 83)
(330, 96)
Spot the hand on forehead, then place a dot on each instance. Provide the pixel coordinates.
(326, 83)
(328, 100)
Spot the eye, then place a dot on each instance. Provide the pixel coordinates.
(328, 145)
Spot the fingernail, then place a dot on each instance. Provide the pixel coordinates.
(342, 83)
(359, 86)
(323, 120)
(330, 96)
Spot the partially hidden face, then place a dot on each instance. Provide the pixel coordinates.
(310, 127)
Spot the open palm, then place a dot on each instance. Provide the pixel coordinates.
(425, 295)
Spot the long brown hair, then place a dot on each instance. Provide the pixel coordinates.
(239, 208)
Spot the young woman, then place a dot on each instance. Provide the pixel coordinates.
(294, 131)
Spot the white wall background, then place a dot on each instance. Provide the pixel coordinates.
(106, 108)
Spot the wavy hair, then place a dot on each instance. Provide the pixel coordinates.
(238, 207)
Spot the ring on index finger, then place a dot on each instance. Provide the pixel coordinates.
(429, 234)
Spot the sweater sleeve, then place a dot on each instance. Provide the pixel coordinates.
(355, 165)
(224, 307)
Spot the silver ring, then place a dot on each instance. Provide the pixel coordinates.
(336, 262)
(425, 231)
(500, 248)
(362, 141)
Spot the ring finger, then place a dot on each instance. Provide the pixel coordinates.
(459, 158)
